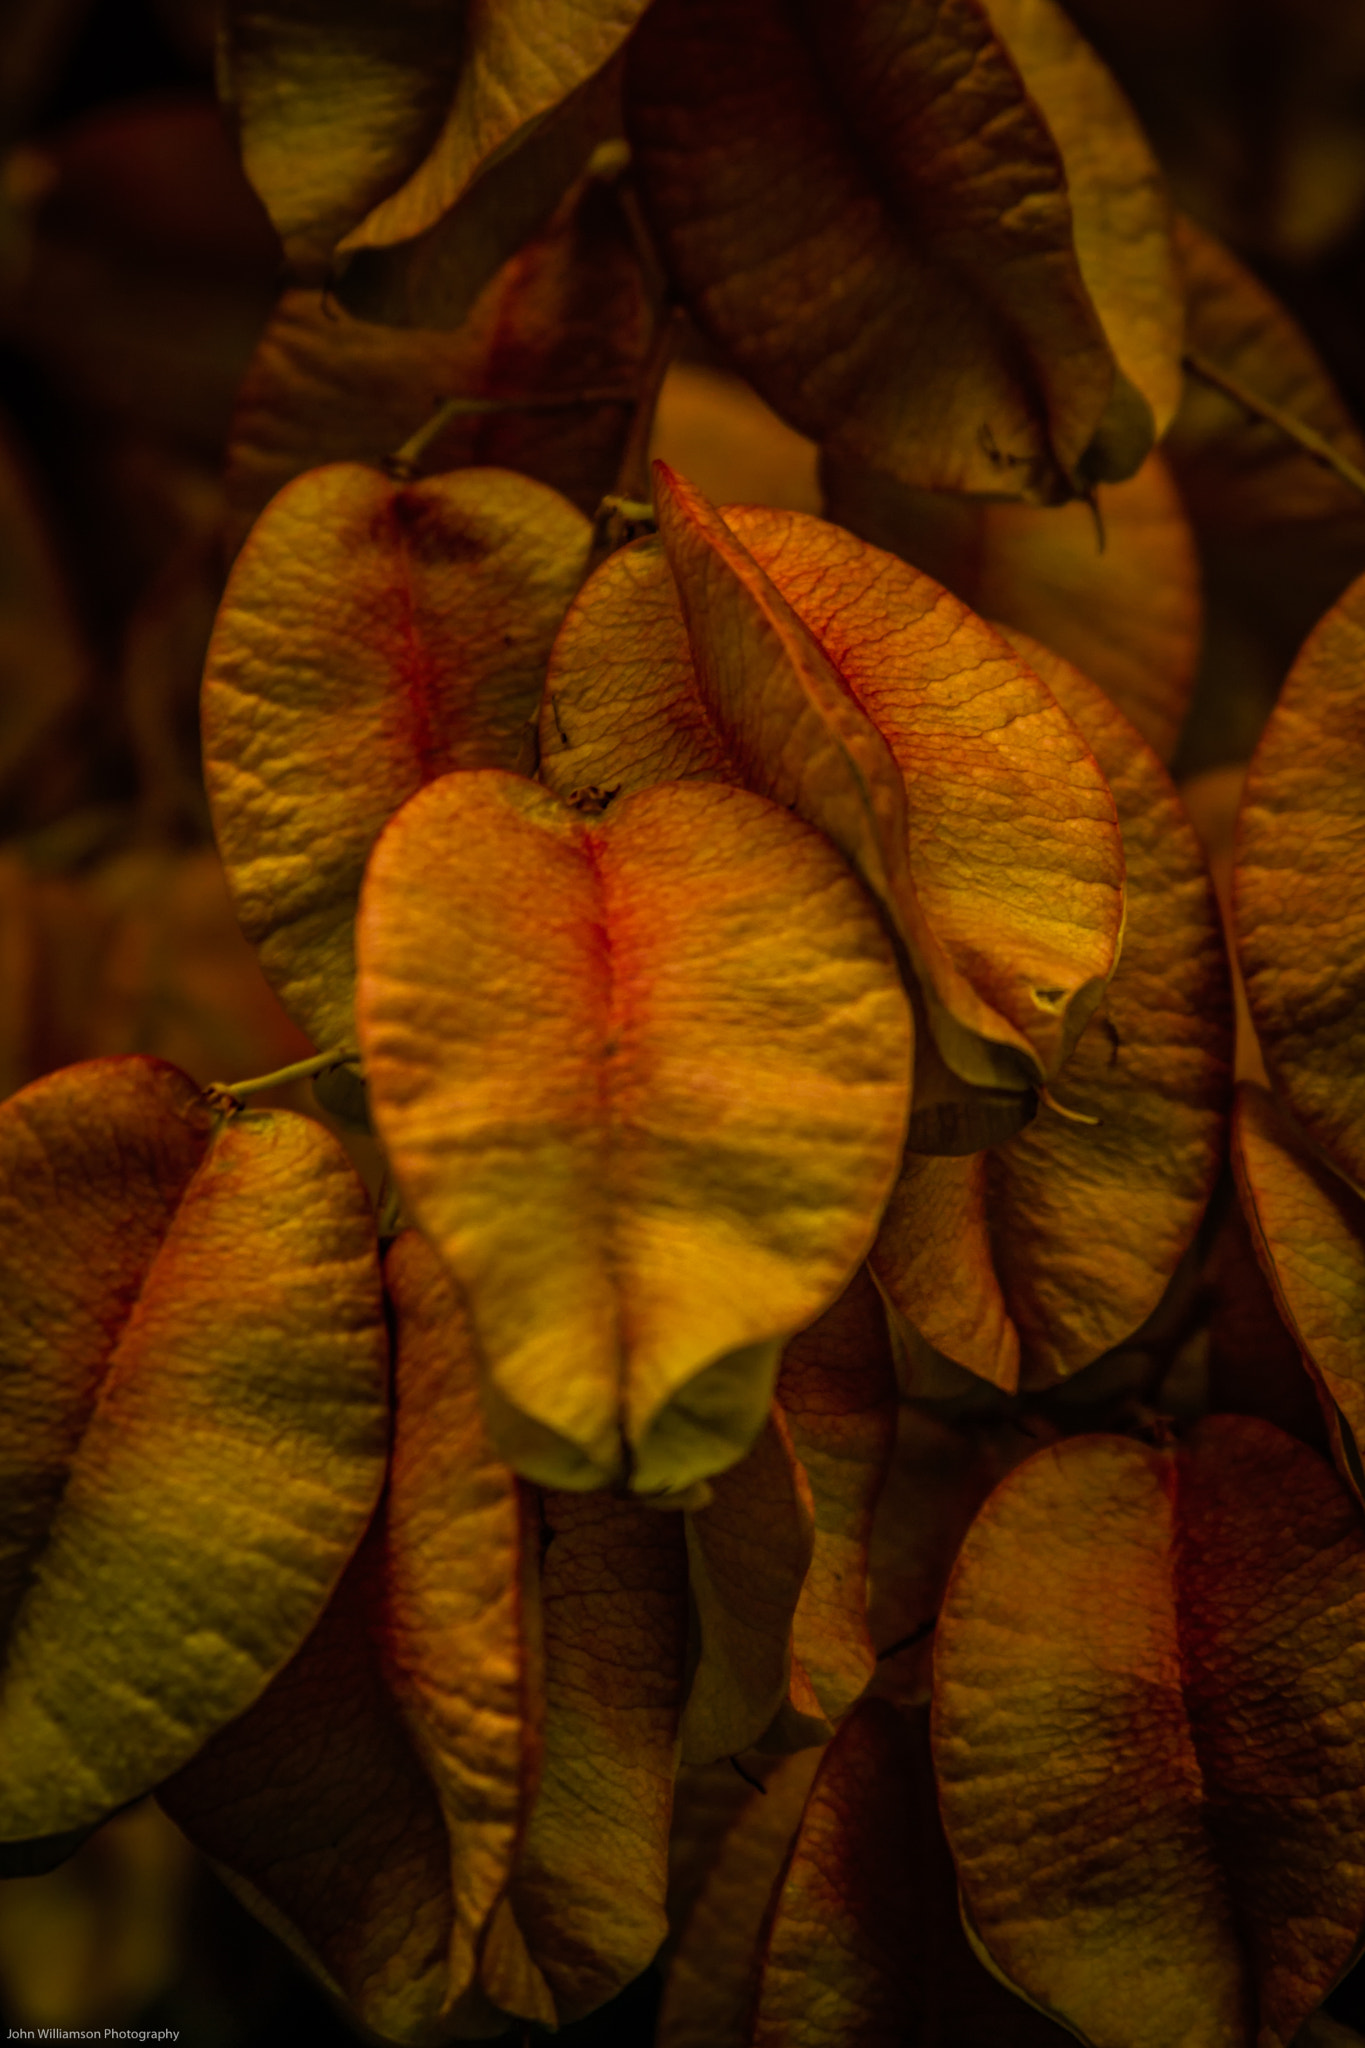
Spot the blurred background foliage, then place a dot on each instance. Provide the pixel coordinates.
(137, 271)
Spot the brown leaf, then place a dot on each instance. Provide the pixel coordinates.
(590, 1106)
(917, 301)
(373, 636)
(195, 1425)
(1057, 1245)
(850, 687)
(1299, 888)
(565, 317)
(1147, 1842)
(590, 1887)
(1308, 1227)
(1124, 607)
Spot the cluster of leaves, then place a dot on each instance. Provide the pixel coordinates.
(789, 1021)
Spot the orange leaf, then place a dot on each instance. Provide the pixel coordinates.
(1299, 888)
(194, 1428)
(589, 1107)
(373, 636)
(1308, 1226)
(1127, 612)
(836, 680)
(1122, 1632)
(589, 1890)
(1062, 1240)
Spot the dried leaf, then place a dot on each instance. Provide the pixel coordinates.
(590, 1888)
(839, 682)
(565, 317)
(1124, 607)
(1299, 887)
(1123, 1629)
(1028, 1262)
(375, 133)
(589, 1106)
(373, 636)
(461, 1541)
(195, 1431)
(1308, 1227)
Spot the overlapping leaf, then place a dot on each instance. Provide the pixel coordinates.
(1308, 1226)
(373, 636)
(848, 686)
(1058, 1244)
(194, 1422)
(378, 129)
(563, 321)
(1156, 1655)
(1124, 607)
(584, 1039)
(1299, 887)
(932, 299)
(590, 1886)
(864, 1947)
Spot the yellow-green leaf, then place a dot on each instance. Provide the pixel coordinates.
(1157, 1656)
(195, 1422)
(1123, 605)
(1308, 1227)
(867, 209)
(373, 636)
(842, 683)
(584, 1038)
(1299, 887)
(1059, 1244)
(590, 1887)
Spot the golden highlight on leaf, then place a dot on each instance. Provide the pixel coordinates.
(373, 636)
(837, 680)
(585, 1037)
(1121, 1635)
(1057, 1245)
(917, 301)
(1299, 887)
(195, 1428)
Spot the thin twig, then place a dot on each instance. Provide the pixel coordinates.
(1251, 402)
(231, 1094)
(632, 477)
(406, 462)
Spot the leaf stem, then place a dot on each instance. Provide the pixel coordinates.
(632, 477)
(1251, 402)
(232, 1094)
(406, 462)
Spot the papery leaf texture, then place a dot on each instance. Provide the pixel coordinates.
(1156, 1654)
(867, 208)
(377, 131)
(1027, 1261)
(773, 649)
(590, 1886)
(565, 319)
(194, 1422)
(586, 1037)
(1112, 587)
(373, 636)
(1299, 887)
(1308, 1228)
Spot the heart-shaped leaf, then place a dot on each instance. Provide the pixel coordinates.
(1157, 1657)
(194, 1422)
(373, 636)
(1036, 1248)
(1308, 1226)
(919, 298)
(1299, 887)
(846, 685)
(1123, 605)
(584, 1036)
